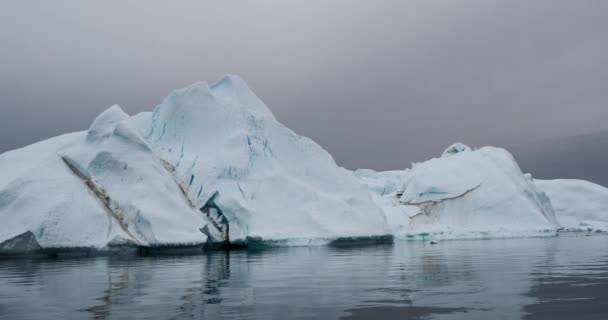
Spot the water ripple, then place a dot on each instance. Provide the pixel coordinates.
(472, 279)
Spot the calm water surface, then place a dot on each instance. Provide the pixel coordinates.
(563, 277)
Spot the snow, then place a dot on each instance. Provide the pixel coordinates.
(579, 205)
(383, 182)
(454, 149)
(40, 194)
(398, 215)
(443, 178)
(142, 197)
(463, 194)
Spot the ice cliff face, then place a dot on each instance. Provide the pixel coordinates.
(225, 146)
(464, 193)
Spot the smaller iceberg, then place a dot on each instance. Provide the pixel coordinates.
(579, 205)
(463, 194)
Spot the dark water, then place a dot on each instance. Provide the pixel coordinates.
(564, 277)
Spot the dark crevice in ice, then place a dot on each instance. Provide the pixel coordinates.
(442, 199)
(111, 208)
(241, 190)
(171, 170)
(219, 229)
(181, 156)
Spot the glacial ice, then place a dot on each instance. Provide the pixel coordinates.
(464, 193)
(210, 161)
(39, 194)
(269, 182)
(579, 205)
(211, 164)
(137, 191)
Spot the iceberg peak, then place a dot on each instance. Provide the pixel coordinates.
(231, 92)
(234, 88)
(454, 149)
(105, 123)
(231, 82)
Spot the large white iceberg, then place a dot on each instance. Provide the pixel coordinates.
(579, 205)
(464, 193)
(211, 163)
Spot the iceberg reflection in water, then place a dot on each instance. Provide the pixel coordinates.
(558, 277)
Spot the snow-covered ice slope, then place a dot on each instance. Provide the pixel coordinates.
(383, 182)
(578, 204)
(38, 193)
(134, 185)
(210, 163)
(94, 188)
(464, 193)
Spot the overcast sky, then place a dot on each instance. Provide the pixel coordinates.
(378, 84)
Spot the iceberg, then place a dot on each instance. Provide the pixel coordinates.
(579, 205)
(210, 164)
(463, 194)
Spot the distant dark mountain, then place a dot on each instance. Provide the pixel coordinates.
(576, 157)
